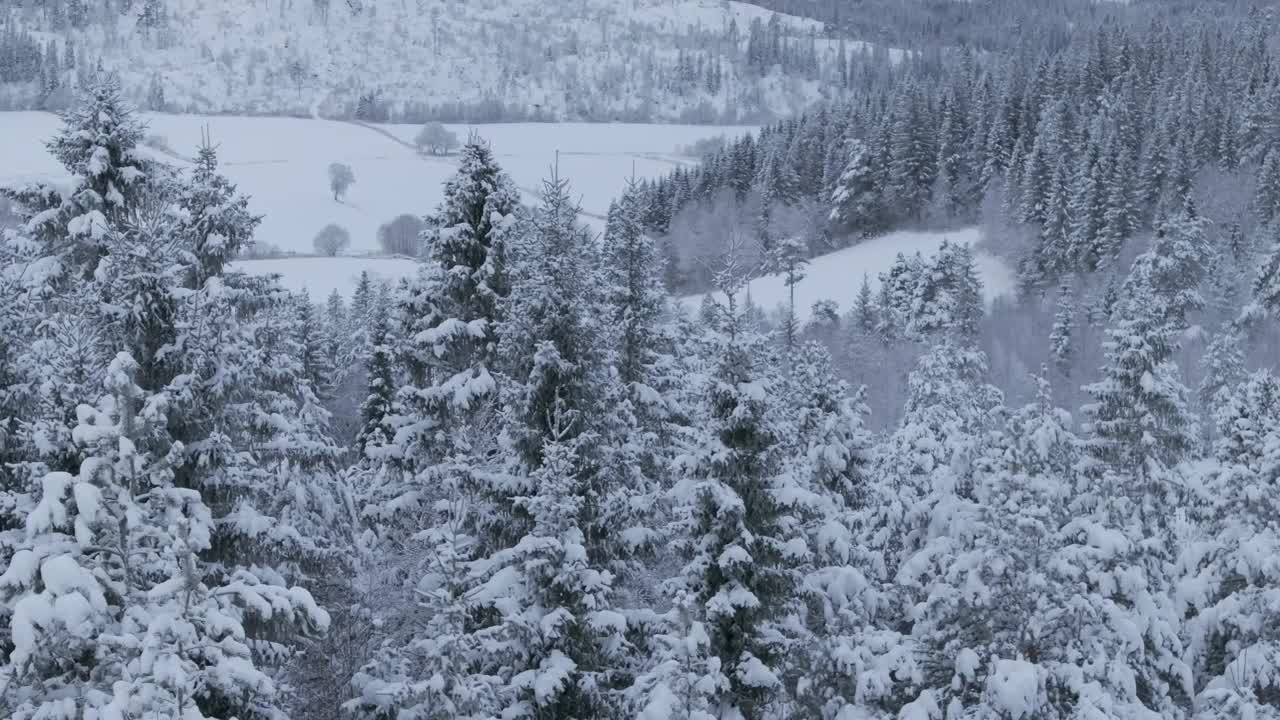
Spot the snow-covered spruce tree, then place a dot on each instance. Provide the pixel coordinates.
(633, 273)
(1223, 365)
(255, 436)
(684, 680)
(947, 296)
(97, 146)
(1062, 335)
(377, 424)
(156, 431)
(112, 615)
(855, 202)
(557, 521)
(983, 581)
(1266, 285)
(1232, 573)
(312, 347)
(1140, 429)
(742, 541)
(213, 217)
(432, 675)
(451, 313)
(829, 451)
(440, 453)
(921, 504)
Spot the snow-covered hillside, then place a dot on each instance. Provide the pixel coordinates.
(595, 60)
(838, 275)
(281, 163)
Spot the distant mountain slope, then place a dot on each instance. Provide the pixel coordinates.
(990, 24)
(407, 60)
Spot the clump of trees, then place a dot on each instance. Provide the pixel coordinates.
(402, 236)
(436, 139)
(331, 240)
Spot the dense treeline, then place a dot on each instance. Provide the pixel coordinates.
(991, 25)
(562, 497)
(1067, 153)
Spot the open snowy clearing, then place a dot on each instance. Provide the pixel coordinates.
(838, 275)
(281, 163)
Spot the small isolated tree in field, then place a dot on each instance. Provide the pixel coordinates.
(402, 236)
(435, 139)
(340, 178)
(332, 240)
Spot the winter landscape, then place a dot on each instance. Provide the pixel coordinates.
(639, 360)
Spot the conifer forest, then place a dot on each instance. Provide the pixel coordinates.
(570, 466)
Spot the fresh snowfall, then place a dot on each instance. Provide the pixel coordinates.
(639, 360)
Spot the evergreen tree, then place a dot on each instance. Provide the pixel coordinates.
(633, 271)
(855, 202)
(1267, 199)
(1266, 285)
(1061, 337)
(743, 540)
(1232, 645)
(97, 146)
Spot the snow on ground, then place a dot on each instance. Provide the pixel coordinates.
(281, 163)
(320, 276)
(597, 158)
(838, 275)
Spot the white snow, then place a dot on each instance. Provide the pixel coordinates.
(587, 58)
(320, 276)
(281, 163)
(838, 276)
(1014, 688)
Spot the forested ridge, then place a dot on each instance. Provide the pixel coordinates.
(1065, 155)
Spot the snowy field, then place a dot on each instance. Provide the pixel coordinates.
(282, 162)
(320, 276)
(838, 276)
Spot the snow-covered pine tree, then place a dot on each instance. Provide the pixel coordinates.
(947, 297)
(213, 217)
(377, 424)
(557, 520)
(1062, 335)
(855, 202)
(1266, 285)
(995, 622)
(895, 300)
(1232, 645)
(633, 274)
(157, 451)
(743, 539)
(97, 146)
(1140, 429)
(113, 616)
